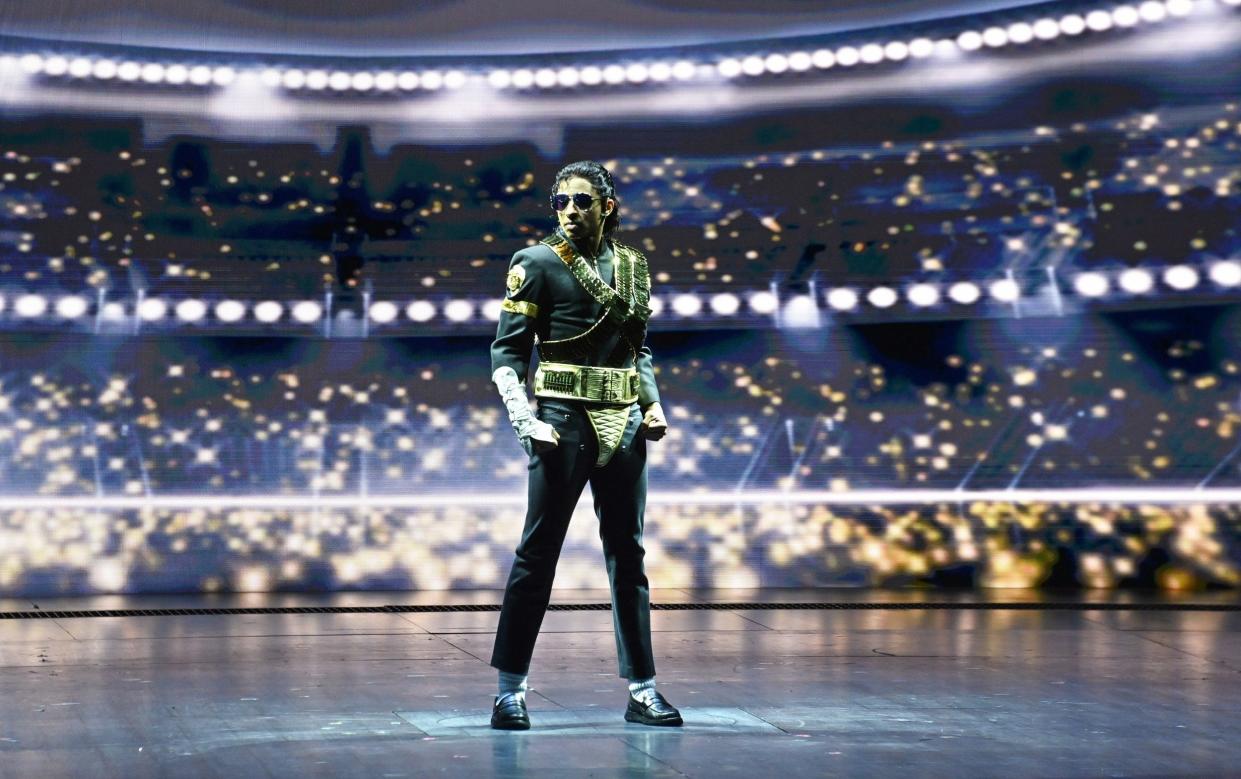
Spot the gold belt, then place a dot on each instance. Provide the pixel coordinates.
(585, 382)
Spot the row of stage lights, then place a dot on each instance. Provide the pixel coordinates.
(319, 80)
(1225, 274)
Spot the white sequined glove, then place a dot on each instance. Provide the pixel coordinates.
(535, 435)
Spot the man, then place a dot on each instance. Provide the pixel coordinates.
(582, 299)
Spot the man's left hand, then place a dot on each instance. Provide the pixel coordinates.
(654, 424)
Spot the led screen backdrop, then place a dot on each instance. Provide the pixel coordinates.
(936, 303)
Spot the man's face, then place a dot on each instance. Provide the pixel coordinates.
(583, 226)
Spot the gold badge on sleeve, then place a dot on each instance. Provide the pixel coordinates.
(516, 277)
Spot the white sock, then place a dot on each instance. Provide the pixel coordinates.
(638, 688)
(513, 684)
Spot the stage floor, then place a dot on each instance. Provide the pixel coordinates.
(894, 684)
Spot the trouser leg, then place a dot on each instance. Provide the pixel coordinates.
(620, 502)
(556, 481)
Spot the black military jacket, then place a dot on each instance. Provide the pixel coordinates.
(546, 301)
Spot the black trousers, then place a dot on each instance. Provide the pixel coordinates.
(557, 479)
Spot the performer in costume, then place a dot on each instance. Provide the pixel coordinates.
(582, 299)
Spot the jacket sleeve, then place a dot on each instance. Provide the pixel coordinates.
(525, 301)
(648, 393)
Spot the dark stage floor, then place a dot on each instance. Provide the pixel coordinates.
(912, 690)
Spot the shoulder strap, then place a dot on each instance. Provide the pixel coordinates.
(619, 305)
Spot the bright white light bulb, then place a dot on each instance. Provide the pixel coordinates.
(776, 63)
(1020, 33)
(896, 51)
(152, 310)
(500, 79)
(1099, 21)
(1004, 290)
(1046, 29)
(1179, 7)
(1091, 284)
(660, 71)
(1152, 11)
(104, 69)
(545, 78)
(682, 70)
(458, 310)
(763, 303)
(191, 310)
(230, 310)
(847, 56)
(523, 79)
(871, 53)
(420, 311)
(921, 47)
(81, 67)
(995, 37)
(1226, 273)
(1072, 25)
(800, 61)
(1181, 277)
(71, 307)
(31, 64)
(1136, 281)
(923, 295)
(129, 71)
(152, 73)
(842, 299)
(1125, 16)
(318, 80)
(970, 40)
(383, 311)
(725, 304)
(200, 75)
(801, 311)
(823, 59)
(56, 66)
(729, 68)
(882, 297)
(307, 311)
(268, 311)
(686, 304)
(964, 292)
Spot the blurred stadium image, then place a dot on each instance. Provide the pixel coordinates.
(945, 318)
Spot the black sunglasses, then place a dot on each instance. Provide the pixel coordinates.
(581, 200)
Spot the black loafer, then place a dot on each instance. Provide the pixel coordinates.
(509, 713)
(657, 712)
